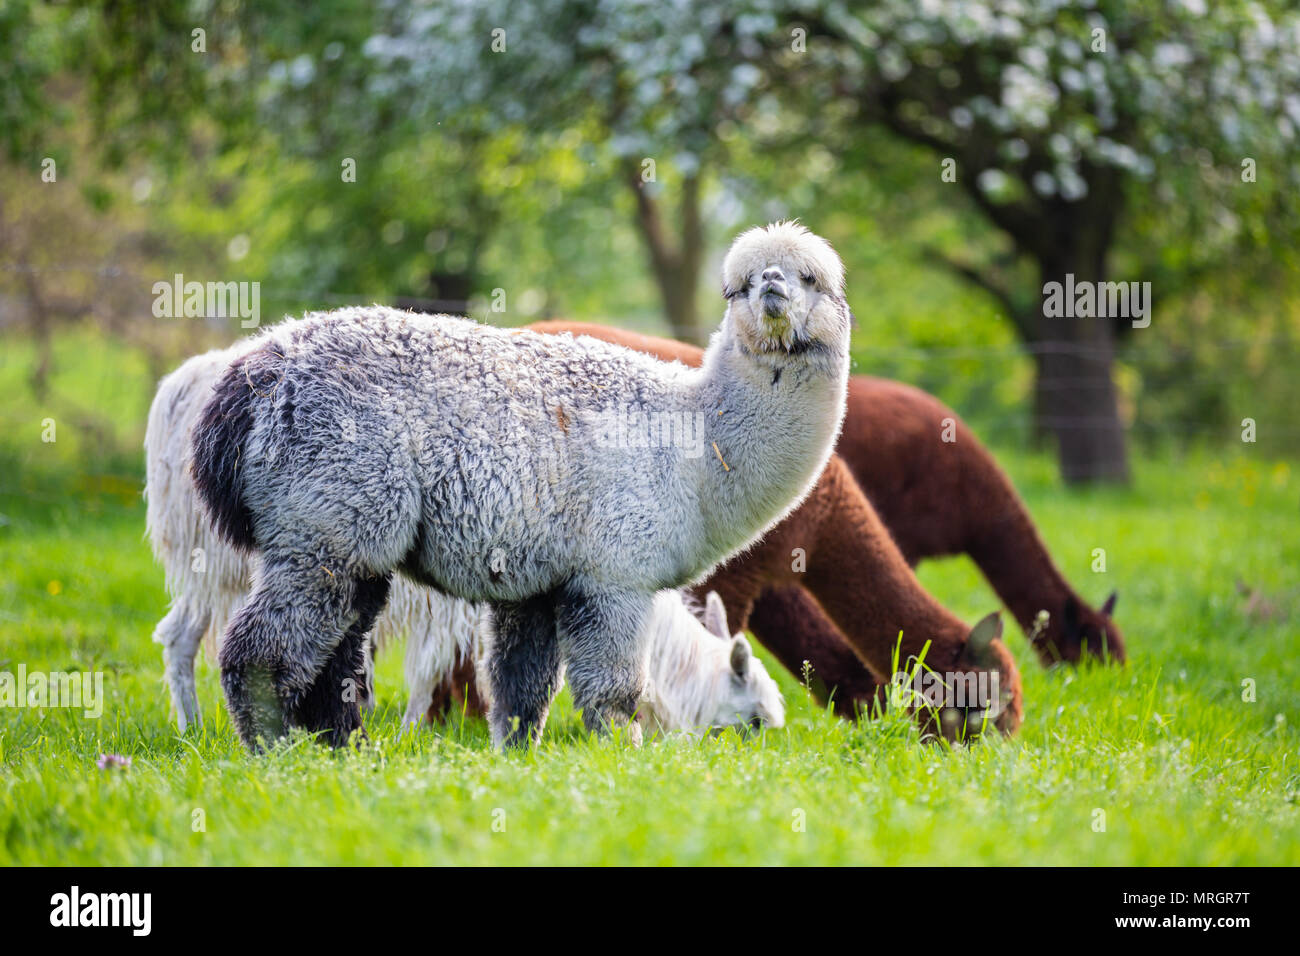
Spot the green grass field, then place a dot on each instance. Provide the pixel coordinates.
(1183, 769)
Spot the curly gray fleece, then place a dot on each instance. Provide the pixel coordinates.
(352, 444)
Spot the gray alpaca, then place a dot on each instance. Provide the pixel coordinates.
(518, 469)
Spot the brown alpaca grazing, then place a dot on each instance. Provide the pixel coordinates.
(936, 498)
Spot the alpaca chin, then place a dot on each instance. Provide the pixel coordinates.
(776, 310)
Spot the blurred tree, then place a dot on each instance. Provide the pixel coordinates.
(1053, 119)
(657, 80)
(1148, 139)
(1059, 119)
(387, 201)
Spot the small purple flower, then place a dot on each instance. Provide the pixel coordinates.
(109, 761)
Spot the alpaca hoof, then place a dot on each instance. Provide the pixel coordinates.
(187, 711)
(256, 707)
(185, 721)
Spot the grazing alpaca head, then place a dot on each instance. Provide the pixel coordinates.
(703, 677)
(785, 291)
(1003, 707)
(753, 697)
(1080, 632)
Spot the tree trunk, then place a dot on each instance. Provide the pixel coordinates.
(675, 264)
(40, 317)
(1074, 394)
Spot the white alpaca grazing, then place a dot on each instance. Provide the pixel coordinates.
(347, 446)
(696, 682)
(700, 677)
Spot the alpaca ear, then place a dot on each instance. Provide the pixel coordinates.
(982, 636)
(1109, 607)
(715, 616)
(1070, 617)
(740, 656)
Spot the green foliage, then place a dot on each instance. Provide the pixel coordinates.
(479, 171)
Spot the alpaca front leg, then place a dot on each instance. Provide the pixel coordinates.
(281, 640)
(180, 633)
(600, 633)
(523, 665)
(335, 699)
(332, 704)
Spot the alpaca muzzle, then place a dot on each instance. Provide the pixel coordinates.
(775, 298)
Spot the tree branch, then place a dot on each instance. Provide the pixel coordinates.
(986, 283)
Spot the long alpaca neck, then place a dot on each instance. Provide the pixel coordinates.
(770, 424)
(1002, 539)
(857, 573)
(794, 628)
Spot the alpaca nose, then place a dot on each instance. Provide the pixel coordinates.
(773, 282)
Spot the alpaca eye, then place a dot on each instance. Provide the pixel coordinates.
(807, 278)
(740, 290)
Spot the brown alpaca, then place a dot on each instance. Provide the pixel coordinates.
(936, 498)
(457, 693)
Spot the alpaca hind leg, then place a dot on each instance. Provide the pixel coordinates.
(368, 675)
(278, 642)
(334, 701)
(600, 634)
(421, 676)
(180, 633)
(524, 670)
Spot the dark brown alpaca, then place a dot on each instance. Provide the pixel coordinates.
(936, 498)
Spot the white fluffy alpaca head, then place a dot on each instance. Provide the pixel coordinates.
(750, 696)
(785, 291)
(703, 679)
